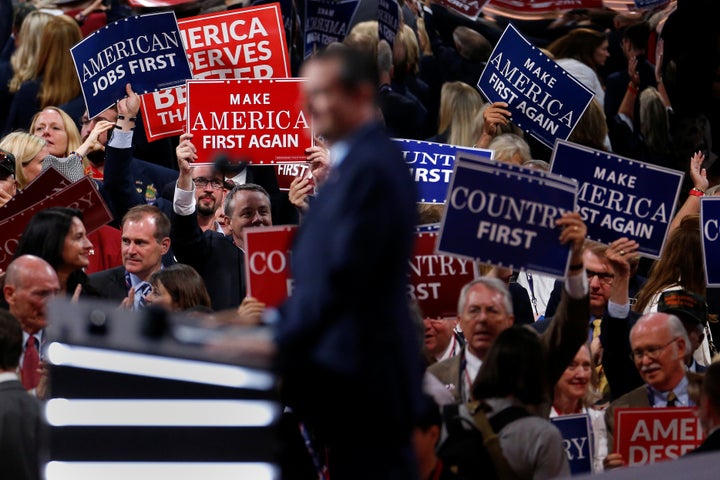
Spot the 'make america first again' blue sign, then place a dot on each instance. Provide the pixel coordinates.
(545, 100)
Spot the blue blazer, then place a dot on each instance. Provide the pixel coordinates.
(348, 349)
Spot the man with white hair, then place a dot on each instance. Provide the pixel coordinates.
(659, 343)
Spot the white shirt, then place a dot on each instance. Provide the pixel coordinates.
(38, 337)
(472, 367)
(8, 377)
(542, 287)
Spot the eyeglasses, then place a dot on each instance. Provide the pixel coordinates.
(202, 182)
(652, 352)
(604, 277)
(7, 162)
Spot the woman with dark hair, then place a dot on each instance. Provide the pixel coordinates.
(511, 384)
(178, 287)
(58, 236)
(582, 52)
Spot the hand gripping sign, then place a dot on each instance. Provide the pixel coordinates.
(505, 215)
(263, 121)
(545, 100)
(145, 50)
(267, 263)
(620, 197)
(244, 43)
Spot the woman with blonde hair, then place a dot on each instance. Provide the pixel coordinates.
(56, 127)
(24, 59)
(29, 152)
(54, 81)
(459, 103)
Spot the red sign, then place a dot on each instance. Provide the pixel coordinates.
(650, 435)
(469, 8)
(262, 121)
(436, 280)
(49, 182)
(534, 8)
(287, 172)
(245, 43)
(82, 195)
(267, 263)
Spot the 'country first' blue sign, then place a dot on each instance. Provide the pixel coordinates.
(710, 224)
(505, 215)
(431, 166)
(620, 197)
(545, 100)
(146, 51)
(577, 441)
(327, 21)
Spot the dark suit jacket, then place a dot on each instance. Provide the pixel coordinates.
(218, 261)
(637, 398)
(346, 338)
(20, 432)
(620, 370)
(711, 444)
(108, 284)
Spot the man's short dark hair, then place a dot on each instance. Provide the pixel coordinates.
(357, 68)
(228, 207)
(638, 35)
(10, 341)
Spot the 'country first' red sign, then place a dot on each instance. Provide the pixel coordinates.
(261, 121)
(267, 264)
(245, 43)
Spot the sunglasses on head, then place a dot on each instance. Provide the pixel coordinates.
(7, 162)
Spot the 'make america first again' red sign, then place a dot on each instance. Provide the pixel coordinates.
(261, 120)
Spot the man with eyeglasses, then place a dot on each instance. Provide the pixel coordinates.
(218, 258)
(658, 344)
(8, 187)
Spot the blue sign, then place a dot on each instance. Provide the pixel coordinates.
(545, 100)
(431, 166)
(327, 21)
(504, 215)
(710, 224)
(577, 441)
(388, 20)
(620, 197)
(146, 51)
(650, 3)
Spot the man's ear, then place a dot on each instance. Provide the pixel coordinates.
(165, 244)
(9, 292)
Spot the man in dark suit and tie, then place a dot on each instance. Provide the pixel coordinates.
(30, 282)
(349, 353)
(20, 415)
(659, 343)
(145, 239)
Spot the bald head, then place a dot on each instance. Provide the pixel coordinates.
(29, 283)
(659, 343)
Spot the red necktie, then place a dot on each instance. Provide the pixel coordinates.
(31, 363)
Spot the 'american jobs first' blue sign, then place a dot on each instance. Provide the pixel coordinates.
(146, 51)
(505, 215)
(545, 100)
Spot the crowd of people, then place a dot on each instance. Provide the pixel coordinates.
(357, 358)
